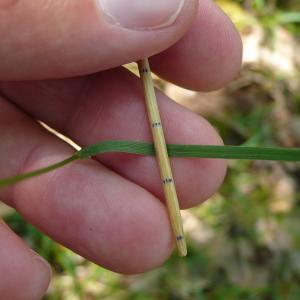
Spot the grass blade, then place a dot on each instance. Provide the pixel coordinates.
(174, 150)
(15, 179)
(200, 151)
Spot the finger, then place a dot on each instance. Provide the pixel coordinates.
(84, 206)
(207, 57)
(110, 105)
(44, 39)
(24, 275)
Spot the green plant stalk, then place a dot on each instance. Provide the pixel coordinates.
(174, 150)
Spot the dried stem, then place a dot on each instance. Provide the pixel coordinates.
(162, 156)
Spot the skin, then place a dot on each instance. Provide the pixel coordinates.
(109, 209)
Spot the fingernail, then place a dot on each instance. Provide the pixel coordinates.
(40, 260)
(141, 14)
(41, 277)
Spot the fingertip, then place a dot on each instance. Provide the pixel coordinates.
(24, 275)
(75, 39)
(144, 244)
(208, 56)
(41, 276)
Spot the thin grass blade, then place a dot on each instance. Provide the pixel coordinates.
(174, 150)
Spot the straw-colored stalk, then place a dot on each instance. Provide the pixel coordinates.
(162, 156)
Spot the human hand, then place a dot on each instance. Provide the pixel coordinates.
(110, 209)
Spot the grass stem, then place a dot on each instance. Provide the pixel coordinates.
(162, 156)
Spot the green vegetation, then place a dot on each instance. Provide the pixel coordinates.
(244, 242)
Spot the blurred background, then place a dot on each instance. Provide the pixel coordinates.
(244, 243)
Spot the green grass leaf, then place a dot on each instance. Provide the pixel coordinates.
(174, 150)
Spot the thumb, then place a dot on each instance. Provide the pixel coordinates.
(46, 39)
